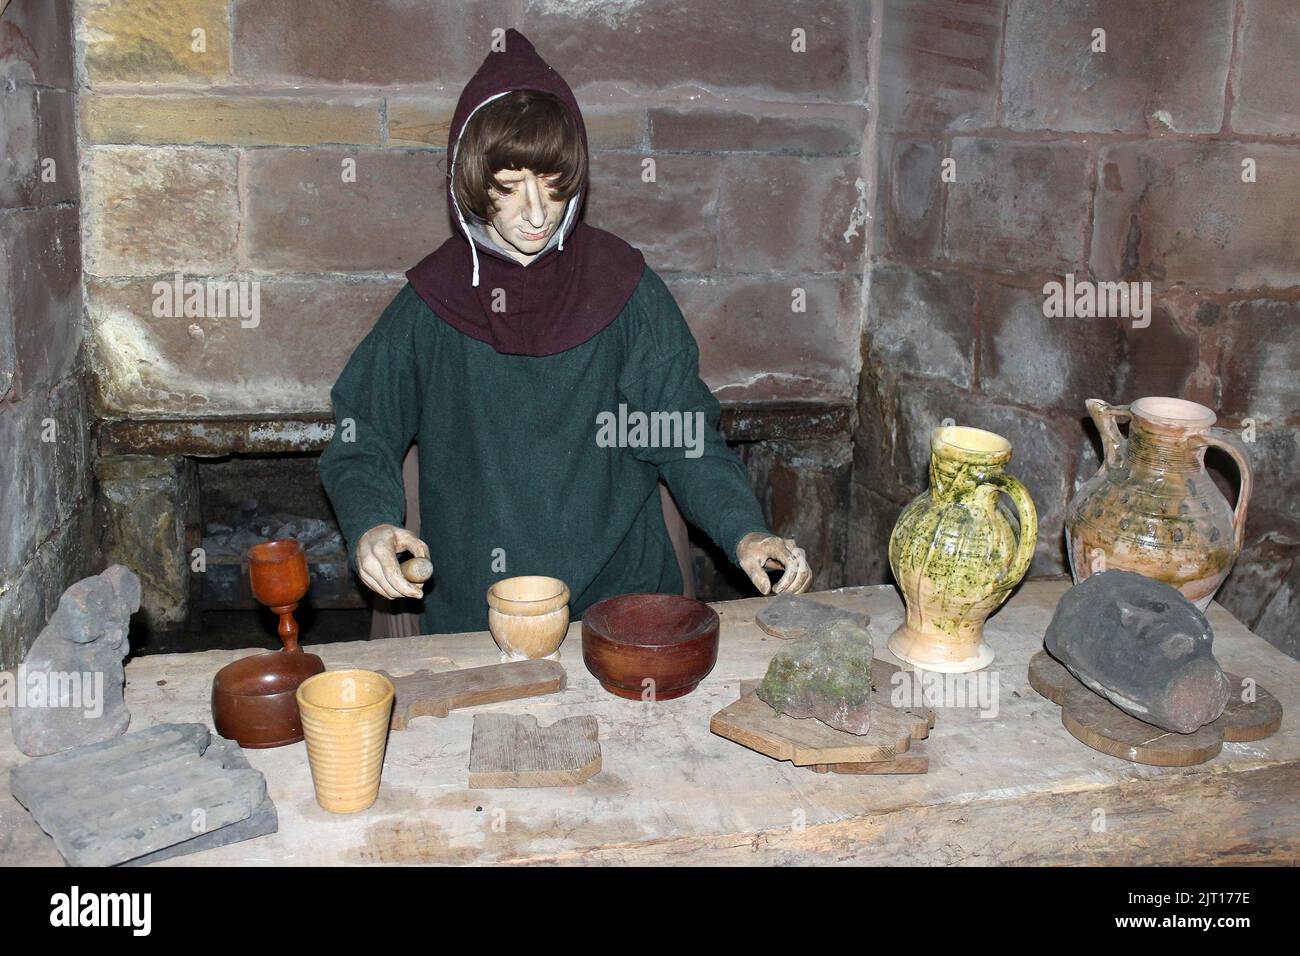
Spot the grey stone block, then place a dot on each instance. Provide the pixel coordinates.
(148, 512)
(794, 618)
(263, 820)
(145, 796)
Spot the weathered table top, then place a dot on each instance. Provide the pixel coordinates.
(1010, 788)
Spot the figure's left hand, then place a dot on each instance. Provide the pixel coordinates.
(758, 550)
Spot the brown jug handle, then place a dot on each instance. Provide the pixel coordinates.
(1222, 438)
(1106, 417)
(1028, 542)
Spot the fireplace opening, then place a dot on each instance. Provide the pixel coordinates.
(246, 499)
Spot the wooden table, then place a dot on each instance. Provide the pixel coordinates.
(1014, 788)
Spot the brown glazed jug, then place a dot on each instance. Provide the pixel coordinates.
(1153, 508)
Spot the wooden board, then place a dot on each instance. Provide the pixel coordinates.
(753, 724)
(436, 694)
(793, 618)
(1241, 721)
(910, 762)
(509, 750)
(1095, 721)
(1050, 678)
(914, 761)
(1101, 725)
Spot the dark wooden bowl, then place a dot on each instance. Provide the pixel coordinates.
(667, 638)
(254, 702)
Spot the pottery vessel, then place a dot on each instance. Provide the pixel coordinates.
(955, 552)
(650, 646)
(528, 616)
(345, 720)
(1152, 508)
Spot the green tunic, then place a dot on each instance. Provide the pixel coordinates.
(518, 473)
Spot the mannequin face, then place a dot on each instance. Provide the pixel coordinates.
(526, 217)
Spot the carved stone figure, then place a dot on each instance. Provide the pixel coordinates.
(1143, 646)
(68, 691)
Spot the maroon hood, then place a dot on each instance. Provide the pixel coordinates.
(569, 292)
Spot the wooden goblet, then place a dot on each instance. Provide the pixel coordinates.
(277, 571)
(254, 699)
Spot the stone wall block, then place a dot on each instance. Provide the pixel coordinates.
(148, 512)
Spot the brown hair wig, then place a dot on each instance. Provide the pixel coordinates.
(525, 129)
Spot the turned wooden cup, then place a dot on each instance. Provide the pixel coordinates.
(345, 718)
(528, 616)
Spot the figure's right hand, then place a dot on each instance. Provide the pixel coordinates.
(377, 560)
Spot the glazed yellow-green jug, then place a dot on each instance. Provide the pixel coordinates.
(955, 553)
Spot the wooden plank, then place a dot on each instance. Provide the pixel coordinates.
(1050, 678)
(1095, 721)
(1188, 819)
(437, 693)
(910, 762)
(510, 750)
(1244, 721)
(216, 435)
(753, 724)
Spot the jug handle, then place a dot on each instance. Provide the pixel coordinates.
(1226, 440)
(1018, 493)
(1106, 417)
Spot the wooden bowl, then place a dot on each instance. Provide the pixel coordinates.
(253, 699)
(666, 638)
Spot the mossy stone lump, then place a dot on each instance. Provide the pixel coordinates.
(826, 675)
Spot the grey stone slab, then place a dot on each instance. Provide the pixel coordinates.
(264, 819)
(145, 796)
(792, 618)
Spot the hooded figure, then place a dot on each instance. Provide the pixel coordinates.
(575, 287)
(548, 380)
